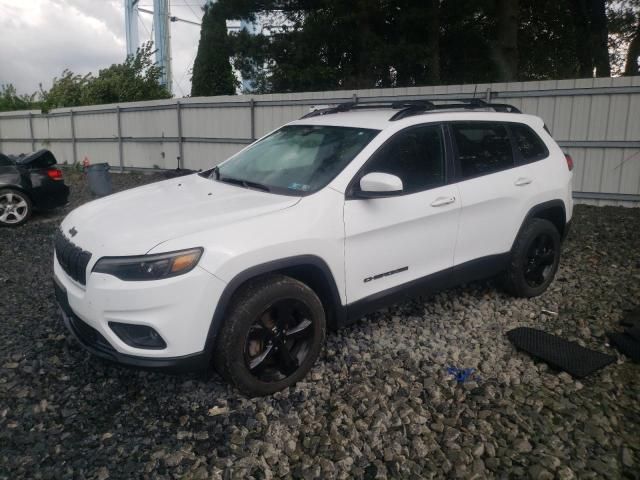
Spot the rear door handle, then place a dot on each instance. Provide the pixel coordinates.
(440, 201)
(523, 181)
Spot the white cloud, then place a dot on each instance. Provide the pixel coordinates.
(43, 37)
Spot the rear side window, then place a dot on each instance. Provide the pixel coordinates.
(528, 143)
(4, 161)
(416, 155)
(483, 148)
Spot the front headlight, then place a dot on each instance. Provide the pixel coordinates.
(150, 267)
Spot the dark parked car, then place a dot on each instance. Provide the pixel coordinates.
(29, 182)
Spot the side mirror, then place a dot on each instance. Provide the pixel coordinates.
(377, 184)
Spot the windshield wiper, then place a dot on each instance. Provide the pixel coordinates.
(243, 183)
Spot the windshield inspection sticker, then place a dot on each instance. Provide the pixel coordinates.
(298, 186)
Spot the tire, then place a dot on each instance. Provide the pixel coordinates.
(272, 335)
(534, 259)
(15, 207)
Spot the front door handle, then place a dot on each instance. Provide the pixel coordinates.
(440, 201)
(522, 181)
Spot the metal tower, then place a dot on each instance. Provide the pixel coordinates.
(162, 34)
(131, 25)
(161, 30)
(163, 40)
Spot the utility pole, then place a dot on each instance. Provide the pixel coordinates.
(131, 25)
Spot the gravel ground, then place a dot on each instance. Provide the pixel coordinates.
(379, 403)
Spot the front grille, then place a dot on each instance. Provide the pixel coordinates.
(72, 258)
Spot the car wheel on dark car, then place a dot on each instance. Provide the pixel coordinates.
(15, 207)
(272, 336)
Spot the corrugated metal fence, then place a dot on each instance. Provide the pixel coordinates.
(596, 120)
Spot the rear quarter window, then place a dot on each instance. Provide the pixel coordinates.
(483, 148)
(528, 144)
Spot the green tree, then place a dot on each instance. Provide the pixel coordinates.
(252, 58)
(137, 79)
(591, 34)
(332, 44)
(632, 62)
(212, 72)
(67, 91)
(505, 49)
(624, 38)
(328, 44)
(10, 100)
(546, 45)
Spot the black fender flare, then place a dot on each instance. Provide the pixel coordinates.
(265, 268)
(536, 209)
(19, 188)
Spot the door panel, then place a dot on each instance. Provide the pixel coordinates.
(493, 190)
(490, 215)
(391, 241)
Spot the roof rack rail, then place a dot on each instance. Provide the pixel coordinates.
(473, 103)
(409, 108)
(394, 104)
(504, 107)
(462, 103)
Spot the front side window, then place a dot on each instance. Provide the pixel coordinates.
(415, 155)
(297, 159)
(483, 148)
(530, 146)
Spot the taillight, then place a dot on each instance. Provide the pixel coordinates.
(569, 161)
(54, 174)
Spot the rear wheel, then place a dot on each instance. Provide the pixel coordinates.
(534, 259)
(15, 207)
(272, 336)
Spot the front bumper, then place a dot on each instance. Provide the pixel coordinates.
(180, 310)
(97, 345)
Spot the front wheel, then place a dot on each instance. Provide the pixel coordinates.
(534, 259)
(15, 207)
(272, 336)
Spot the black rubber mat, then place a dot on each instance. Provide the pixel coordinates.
(633, 332)
(631, 318)
(558, 352)
(625, 344)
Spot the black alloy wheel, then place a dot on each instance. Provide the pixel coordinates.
(534, 259)
(539, 260)
(272, 335)
(279, 340)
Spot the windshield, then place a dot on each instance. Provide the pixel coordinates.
(297, 159)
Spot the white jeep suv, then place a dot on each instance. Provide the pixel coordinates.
(246, 265)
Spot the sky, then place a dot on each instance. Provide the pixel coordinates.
(40, 38)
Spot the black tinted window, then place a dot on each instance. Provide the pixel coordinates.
(530, 146)
(483, 148)
(416, 155)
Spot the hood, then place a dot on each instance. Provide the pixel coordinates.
(134, 221)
